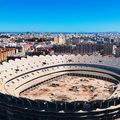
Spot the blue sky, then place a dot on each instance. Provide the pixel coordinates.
(59, 15)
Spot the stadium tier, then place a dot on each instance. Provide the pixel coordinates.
(26, 74)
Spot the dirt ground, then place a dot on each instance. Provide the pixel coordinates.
(72, 88)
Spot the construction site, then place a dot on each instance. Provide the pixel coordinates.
(72, 88)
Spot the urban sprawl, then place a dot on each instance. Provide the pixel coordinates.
(17, 45)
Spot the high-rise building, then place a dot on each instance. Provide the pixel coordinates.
(59, 40)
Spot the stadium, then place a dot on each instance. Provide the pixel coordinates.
(68, 87)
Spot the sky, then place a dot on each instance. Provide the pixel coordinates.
(59, 15)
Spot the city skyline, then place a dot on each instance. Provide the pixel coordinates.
(59, 16)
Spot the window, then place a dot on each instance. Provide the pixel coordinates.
(8, 86)
(17, 69)
(44, 63)
(100, 61)
(69, 60)
(13, 82)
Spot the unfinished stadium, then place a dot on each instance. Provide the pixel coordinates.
(59, 87)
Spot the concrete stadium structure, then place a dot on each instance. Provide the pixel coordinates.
(26, 73)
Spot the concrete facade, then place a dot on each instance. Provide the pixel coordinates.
(26, 73)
